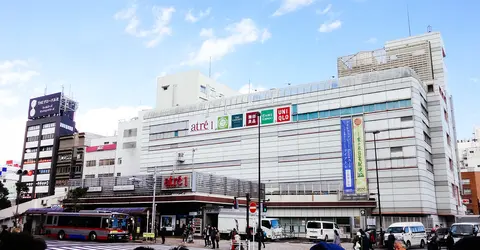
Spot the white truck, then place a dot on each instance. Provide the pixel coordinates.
(228, 219)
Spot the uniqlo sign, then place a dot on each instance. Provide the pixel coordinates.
(283, 114)
(252, 119)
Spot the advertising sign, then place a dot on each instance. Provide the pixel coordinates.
(44, 105)
(283, 114)
(67, 126)
(251, 119)
(174, 182)
(124, 188)
(237, 121)
(200, 125)
(347, 157)
(267, 116)
(359, 154)
(222, 122)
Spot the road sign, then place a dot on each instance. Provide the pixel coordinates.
(253, 207)
(362, 212)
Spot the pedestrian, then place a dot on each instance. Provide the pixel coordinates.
(450, 241)
(261, 237)
(163, 233)
(217, 237)
(213, 236)
(433, 242)
(336, 238)
(357, 241)
(391, 241)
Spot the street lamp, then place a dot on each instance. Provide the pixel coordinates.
(378, 186)
(259, 187)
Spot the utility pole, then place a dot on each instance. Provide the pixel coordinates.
(248, 219)
(259, 229)
(153, 199)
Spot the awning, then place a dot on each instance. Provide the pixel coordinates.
(43, 210)
(125, 210)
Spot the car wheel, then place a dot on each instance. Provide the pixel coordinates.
(92, 236)
(409, 245)
(422, 244)
(326, 238)
(61, 235)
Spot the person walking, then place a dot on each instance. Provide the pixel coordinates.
(217, 237)
(163, 233)
(450, 241)
(391, 241)
(212, 235)
(336, 238)
(261, 237)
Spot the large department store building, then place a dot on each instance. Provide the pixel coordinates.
(316, 140)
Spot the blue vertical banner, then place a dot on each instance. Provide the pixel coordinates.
(347, 157)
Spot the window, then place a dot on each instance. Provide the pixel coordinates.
(119, 174)
(65, 157)
(89, 176)
(313, 116)
(294, 109)
(327, 225)
(449, 142)
(467, 191)
(357, 110)
(203, 89)
(450, 162)
(445, 115)
(429, 166)
(424, 110)
(405, 103)
(91, 163)
(427, 138)
(380, 106)
(105, 175)
(369, 108)
(295, 118)
(335, 112)
(31, 150)
(430, 88)
(406, 118)
(302, 117)
(175, 134)
(127, 145)
(119, 160)
(466, 181)
(33, 128)
(33, 138)
(106, 162)
(393, 105)
(47, 148)
(48, 125)
(324, 114)
(48, 136)
(396, 149)
(407, 230)
(106, 143)
(130, 132)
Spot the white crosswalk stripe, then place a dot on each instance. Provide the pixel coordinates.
(78, 245)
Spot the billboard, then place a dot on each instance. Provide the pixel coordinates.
(359, 154)
(222, 122)
(237, 121)
(283, 114)
(251, 119)
(266, 116)
(67, 126)
(44, 105)
(347, 157)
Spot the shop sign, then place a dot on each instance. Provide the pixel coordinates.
(359, 154)
(124, 188)
(347, 157)
(222, 122)
(94, 189)
(237, 121)
(252, 119)
(174, 182)
(283, 114)
(201, 126)
(267, 116)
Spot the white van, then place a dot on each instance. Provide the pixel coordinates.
(412, 233)
(321, 230)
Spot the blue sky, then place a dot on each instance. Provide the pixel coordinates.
(108, 53)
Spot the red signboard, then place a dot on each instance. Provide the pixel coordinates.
(176, 182)
(105, 147)
(252, 119)
(283, 114)
(253, 207)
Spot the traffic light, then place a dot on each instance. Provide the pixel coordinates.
(264, 210)
(23, 172)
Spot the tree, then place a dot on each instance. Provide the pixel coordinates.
(22, 188)
(4, 201)
(75, 195)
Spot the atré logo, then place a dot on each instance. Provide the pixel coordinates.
(202, 126)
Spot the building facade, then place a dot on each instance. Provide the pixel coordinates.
(469, 152)
(100, 158)
(49, 118)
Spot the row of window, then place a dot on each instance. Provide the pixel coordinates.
(166, 135)
(64, 170)
(44, 126)
(130, 132)
(351, 110)
(42, 149)
(32, 161)
(44, 137)
(103, 162)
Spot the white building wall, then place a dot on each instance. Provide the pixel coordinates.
(94, 171)
(128, 147)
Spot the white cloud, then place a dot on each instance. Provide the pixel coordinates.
(330, 26)
(265, 35)
(240, 33)
(104, 121)
(206, 33)
(12, 130)
(288, 6)
(16, 72)
(325, 11)
(372, 40)
(160, 29)
(8, 98)
(251, 88)
(190, 17)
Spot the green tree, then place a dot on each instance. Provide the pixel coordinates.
(21, 189)
(74, 196)
(4, 202)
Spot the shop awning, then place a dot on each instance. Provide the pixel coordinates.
(125, 210)
(43, 210)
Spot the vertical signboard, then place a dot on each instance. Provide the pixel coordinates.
(252, 119)
(359, 154)
(267, 116)
(222, 122)
(237, 121)
(347, 157)
(283, 114)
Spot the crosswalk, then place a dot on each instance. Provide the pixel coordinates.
(78, 245)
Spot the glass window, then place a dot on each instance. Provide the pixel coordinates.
(369, 108)
(346, 111)
(393, 105)
(294, 109)
(302, 117)
(335, 112)
(405, 103)
(324, 114)
(357, 110)
(175, 134)
(313, 115)
(380, 106)
(407, 230)
(295, 118)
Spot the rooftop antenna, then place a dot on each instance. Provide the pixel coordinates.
(408, 19)
(429, 29)
(210, 68)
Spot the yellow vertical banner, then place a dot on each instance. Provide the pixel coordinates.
(359, 155)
